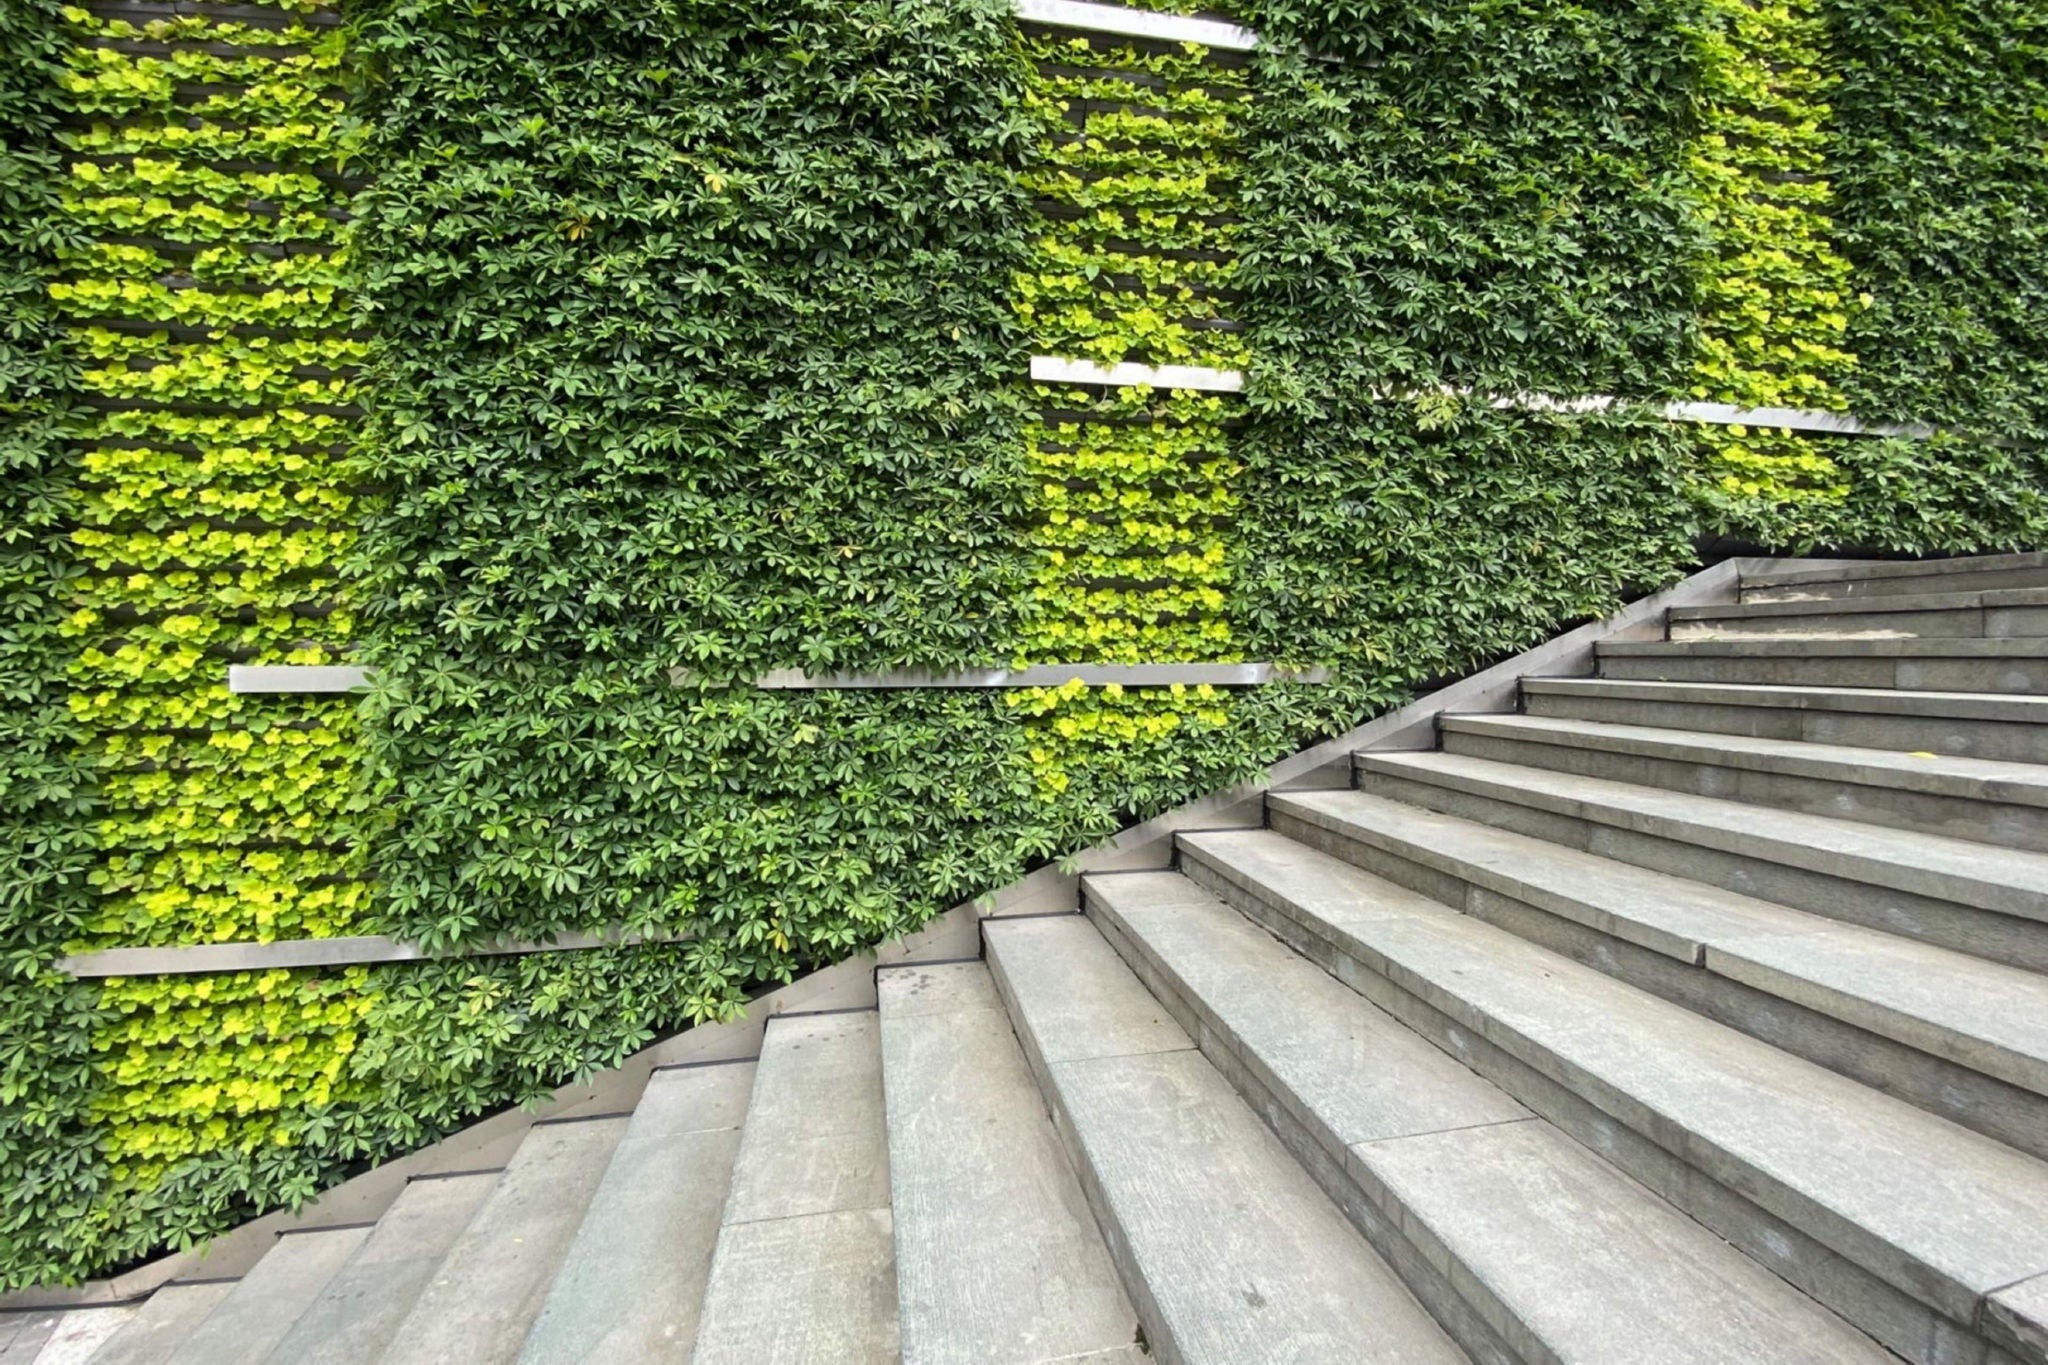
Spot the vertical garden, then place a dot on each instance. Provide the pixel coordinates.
(570, 366)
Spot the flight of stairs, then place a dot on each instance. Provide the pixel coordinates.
(1697, 1012)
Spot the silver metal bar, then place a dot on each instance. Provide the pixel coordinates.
(249, 679)
(1052, 369)
(1137, 23)
(1043, 675)
(186, 959)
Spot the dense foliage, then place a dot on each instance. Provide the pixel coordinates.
(692, 336)
(47, 1146)
(1451, 202)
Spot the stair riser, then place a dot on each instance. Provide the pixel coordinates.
(1988, 822)
(2025, 677)
(1481, 1325)
(1601, 1123)
(2000, 938)
(1960, 623)
(1858, 589)
(2003, 741)
(1158, 1333)
(1939, 1084)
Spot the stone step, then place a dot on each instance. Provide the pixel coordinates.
(1906, 1224)
(804, 1268)
(1990, 725)
(156, 1331)
(998, 1259)
(1984, 800)
(2017, 666)
(1229, 1249)
(1958, 1035)
(631, 1282)
(477, 1306)
(1952, 892)
(60, 1336)
(1488, 1213)
(357, 1315)
(1970, 615)
(1850, 581)
(259, 1312)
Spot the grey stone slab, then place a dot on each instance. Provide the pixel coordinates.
(1069, 982)
(1580, 1263)
(1890, 649)
(814, 1139)
(632, 1281)
(1885, 701)
(1879, 619)
(2008, 881)
(998, 1258)
(818, 1289)
(162, 1323)
(1988, 1017)
(1352, 1069)
(268, 1300)
(1934, 1209)
(22, 1334)
(1666, 914)
(1229, 1249)
(1965, 596)
(356, 1316)
(1855, 797)
(1974, 573)
(1972, 779)
(67, 1338)
(1243, 1256)
(2018, 1316)
(2005, 741)
(478, 1306)
(1978, 1014)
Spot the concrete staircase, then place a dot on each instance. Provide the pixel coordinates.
(1697, 1011)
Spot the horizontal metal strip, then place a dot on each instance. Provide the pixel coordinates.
(1058, 370)
(249, 679)
(1039, 675)
(194, 958)
(1792, 419)
(311, 678)
(1050, 369)
(1135, 23)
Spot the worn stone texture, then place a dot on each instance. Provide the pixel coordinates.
(359, 1311)
(631, 1282)
(998, 1258)
(478, 1304)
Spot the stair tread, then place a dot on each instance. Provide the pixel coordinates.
(1850, 571)
(356, 1316)
(1935, 1209)
(1866, 606)
(162, 1323)
(63, 1336)
(1240, 1254)
(1565, 1248)
(2011, 881)
(265, 1302)
(804, 1265)
(478, 1305)
(1891, 701)
(997, 1256)
(2018, 1314)
(1974, 1012)
(632, 1280)
(1980, 779)
(1965, 647)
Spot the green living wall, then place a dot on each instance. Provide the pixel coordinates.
(658, 347)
